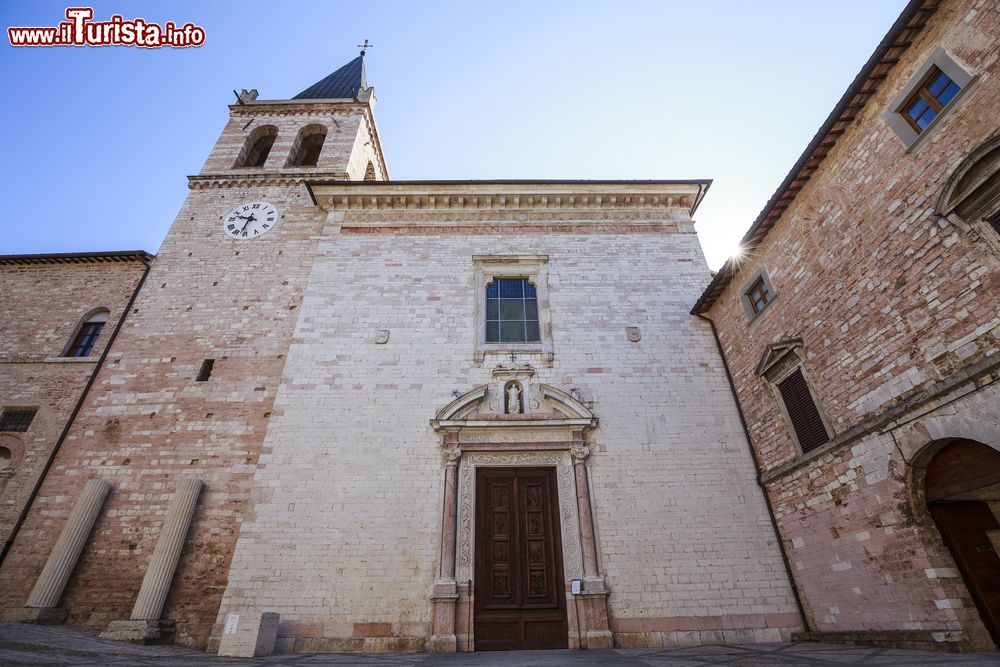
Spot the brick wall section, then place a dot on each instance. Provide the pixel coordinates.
(889, 302)
(147, 422)
(43, 305)
(344, 534)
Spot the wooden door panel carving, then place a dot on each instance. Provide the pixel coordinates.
(519, 597)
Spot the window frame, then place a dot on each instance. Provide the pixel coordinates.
(924, 94)
(788, 412)
(895, 114)
(88, 319)
(18, 409)
(250, 142)
(533, 268)
(524, 320)
(780, 361)
(759, 276)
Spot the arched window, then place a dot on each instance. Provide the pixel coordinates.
(307, 147)
(87, 334)
(257, 147)
(370, 172)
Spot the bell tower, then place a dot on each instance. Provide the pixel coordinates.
(326, 132)
(182, 406)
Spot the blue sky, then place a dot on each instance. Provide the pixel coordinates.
(99, 141)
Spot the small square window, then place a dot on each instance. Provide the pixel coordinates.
(933, 91)
(933, 95)
(757, 295)
(16, 421)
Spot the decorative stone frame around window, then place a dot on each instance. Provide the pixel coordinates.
(893, 115)
(970, 198)
(532, 267)
(752, 306)
(778, 362)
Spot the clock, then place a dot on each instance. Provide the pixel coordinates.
(248, 221)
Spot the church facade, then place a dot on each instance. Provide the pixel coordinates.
(344, 413)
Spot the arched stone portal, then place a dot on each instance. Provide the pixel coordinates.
(962, 487)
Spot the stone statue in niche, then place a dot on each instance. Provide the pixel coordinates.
(514, 400)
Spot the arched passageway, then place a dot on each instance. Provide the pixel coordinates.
(963, 496)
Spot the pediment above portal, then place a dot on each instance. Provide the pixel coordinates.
(516, 408)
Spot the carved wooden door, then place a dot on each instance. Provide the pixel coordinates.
(965, 527)
(520, 597)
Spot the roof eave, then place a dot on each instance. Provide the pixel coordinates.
(758, 231)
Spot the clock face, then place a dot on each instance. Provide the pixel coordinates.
(248, 221)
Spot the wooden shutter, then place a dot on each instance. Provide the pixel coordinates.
(802, 411)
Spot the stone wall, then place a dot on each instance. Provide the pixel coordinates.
(898, 316)
(43, 306)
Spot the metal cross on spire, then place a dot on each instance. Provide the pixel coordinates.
(365, 46)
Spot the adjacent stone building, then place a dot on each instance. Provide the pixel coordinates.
(60, 313)
(860, 328)
(407, 415)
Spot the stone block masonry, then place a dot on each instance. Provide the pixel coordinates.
(45, 298)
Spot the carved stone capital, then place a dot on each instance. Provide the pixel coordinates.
(579, 454)
(451, 456)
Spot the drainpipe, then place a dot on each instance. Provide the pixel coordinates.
(76, 410)
(760, 481)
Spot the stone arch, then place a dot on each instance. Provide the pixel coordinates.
(257, 147)
(11, 452)
(922, 439)
(976, 179)
(954, 490)
(920, 442)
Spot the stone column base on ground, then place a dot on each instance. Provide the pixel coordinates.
(443, 638)
(140, 632)
(590, 615)
(39, 615)
(249, 635)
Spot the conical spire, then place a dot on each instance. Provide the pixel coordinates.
(345, 83)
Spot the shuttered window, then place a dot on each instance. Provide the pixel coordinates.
(802, 411)
(994, 222)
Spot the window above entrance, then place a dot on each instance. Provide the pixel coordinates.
(512, 307)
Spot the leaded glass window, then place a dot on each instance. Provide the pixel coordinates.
(511, 311)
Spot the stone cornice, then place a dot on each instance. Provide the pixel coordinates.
(295, 107)
(517, 195)
(253, 177)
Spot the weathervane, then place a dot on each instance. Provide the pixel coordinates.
(365, 46)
